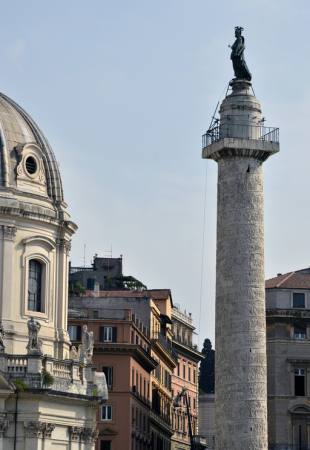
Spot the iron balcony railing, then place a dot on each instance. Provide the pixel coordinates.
(253, 132)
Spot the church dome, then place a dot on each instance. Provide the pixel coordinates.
(27, 161)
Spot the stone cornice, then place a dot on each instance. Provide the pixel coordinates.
(133, 350)
(232, 147)
(274, 314)
(188, 351)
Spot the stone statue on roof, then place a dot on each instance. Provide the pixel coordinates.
(237, 50)
(87, 348)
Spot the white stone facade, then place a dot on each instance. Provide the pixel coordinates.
(240, 370)
(47, 399)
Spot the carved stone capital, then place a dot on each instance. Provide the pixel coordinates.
(89, 435)
(38, 429)
(64, 244)
(4, 424)
(8, 232)
(75, 433)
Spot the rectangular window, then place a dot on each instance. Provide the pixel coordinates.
(108, 334)
(74, 332)
(184, 370)
(90, 284)
(35, 275)
(300, 382)
(106, 413)
(108, 371)
(300, 332)
(106, 445)
(298, 300)
(189, 374)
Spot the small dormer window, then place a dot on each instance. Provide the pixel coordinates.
(35, 285)
(31, 165)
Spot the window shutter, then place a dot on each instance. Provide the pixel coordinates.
(101, 334)
(78, 332)
(114, 334)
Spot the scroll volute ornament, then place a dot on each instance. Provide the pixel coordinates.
(30, 172)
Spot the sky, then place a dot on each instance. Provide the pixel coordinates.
(124, 89)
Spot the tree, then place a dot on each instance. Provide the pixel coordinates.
(207, 367)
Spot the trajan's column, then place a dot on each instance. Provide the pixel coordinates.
(240, 143)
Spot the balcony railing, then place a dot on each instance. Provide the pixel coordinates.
(186, 342)
(252, 132)
(80, 269)
(166, 343)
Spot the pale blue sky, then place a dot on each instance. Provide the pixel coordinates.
(124, 89)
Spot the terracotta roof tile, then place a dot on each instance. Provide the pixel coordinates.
(291, 280)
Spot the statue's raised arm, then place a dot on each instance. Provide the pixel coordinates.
(237, 50)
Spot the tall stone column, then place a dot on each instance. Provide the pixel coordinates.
(239, 146)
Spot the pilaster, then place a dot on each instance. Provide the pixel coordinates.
(7, 238)
(63, 251)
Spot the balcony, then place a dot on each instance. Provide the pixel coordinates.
(251, 132)
(44, 372)
(186, 342)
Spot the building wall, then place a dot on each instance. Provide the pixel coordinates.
(206, 418)
(288, 411)
(185, 376)
(128, 356)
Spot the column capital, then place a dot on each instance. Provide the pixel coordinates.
(75, 433)
(4, 423)
(8, 232)
(89, 435)
(38, 429)
(64, 244)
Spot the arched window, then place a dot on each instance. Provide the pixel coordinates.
(35, 285)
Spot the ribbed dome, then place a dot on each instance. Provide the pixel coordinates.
(18, 129)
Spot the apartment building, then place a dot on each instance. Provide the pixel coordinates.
(133, 346)
(288, 353)
(185, 376)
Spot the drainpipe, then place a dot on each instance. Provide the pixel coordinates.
(15, 420)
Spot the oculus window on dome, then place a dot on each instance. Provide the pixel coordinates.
(31, 165)
(35, 275)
